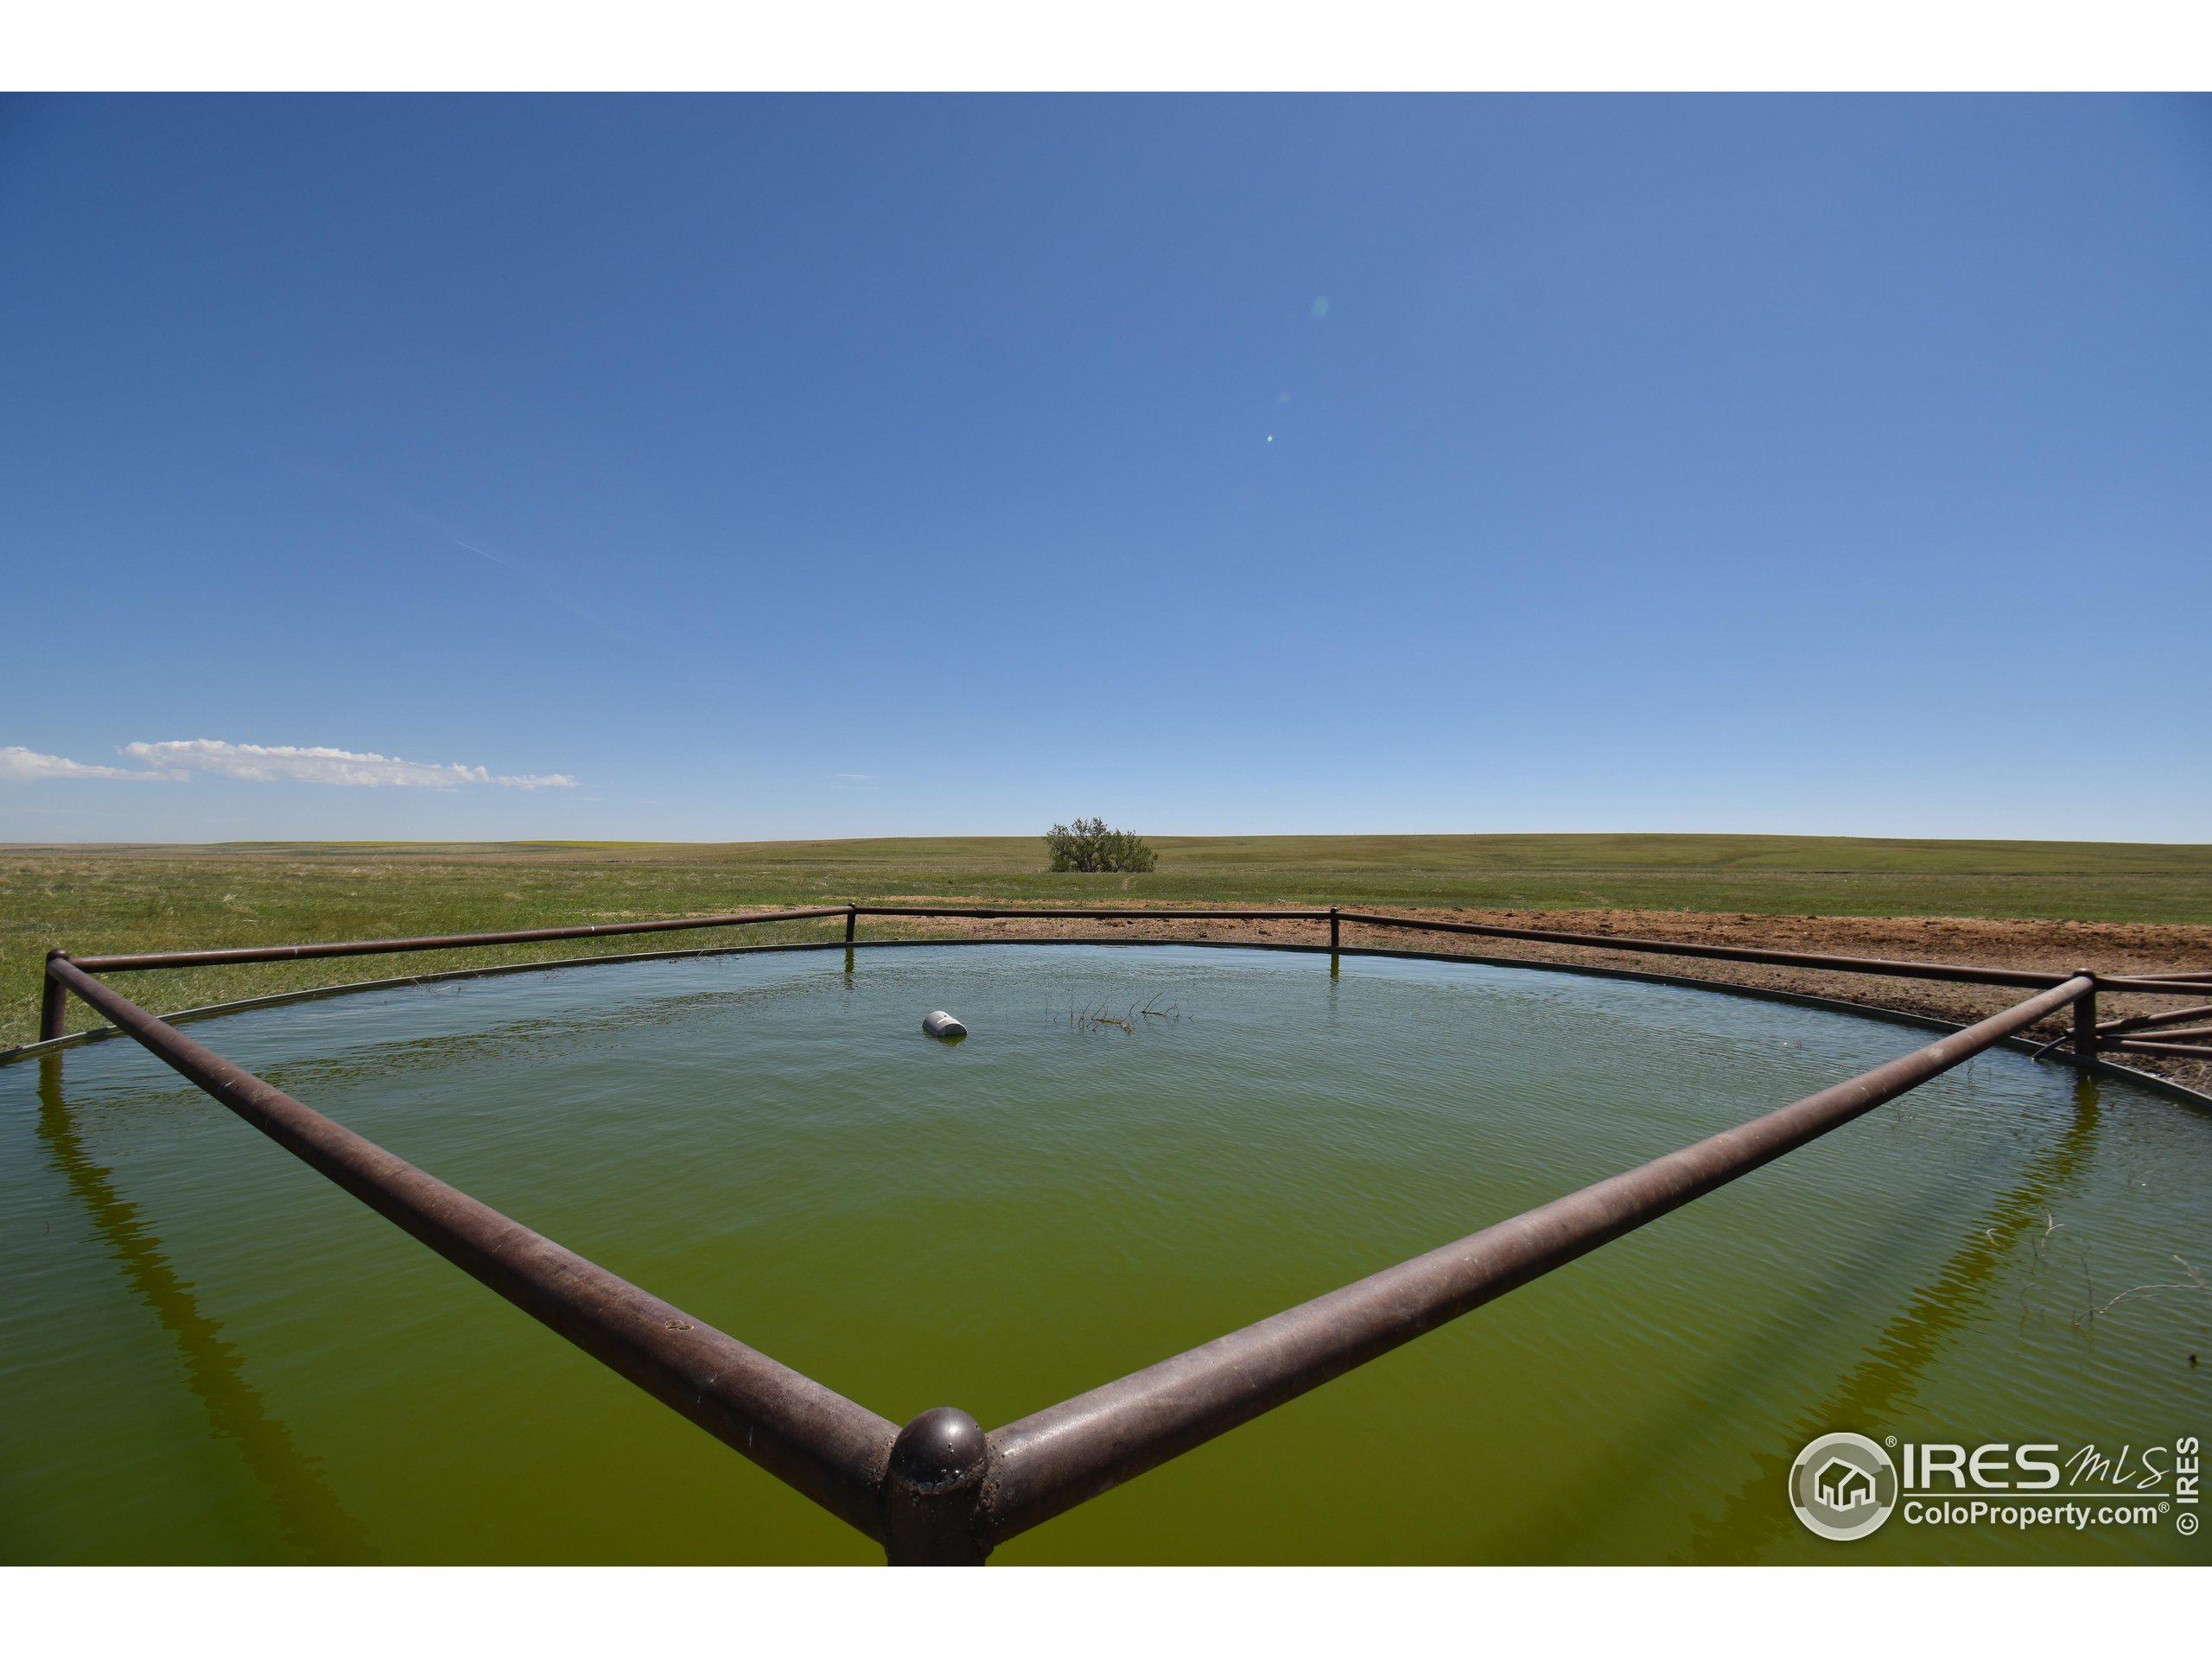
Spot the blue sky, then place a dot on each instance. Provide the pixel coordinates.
(734, 467)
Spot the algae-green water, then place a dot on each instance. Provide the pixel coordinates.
(209, 1354)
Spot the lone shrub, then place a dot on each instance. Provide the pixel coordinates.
(1090, 847)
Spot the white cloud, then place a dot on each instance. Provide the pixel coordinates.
(29, 763)
(283, 764)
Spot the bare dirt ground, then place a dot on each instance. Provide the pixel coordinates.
(2128, 948)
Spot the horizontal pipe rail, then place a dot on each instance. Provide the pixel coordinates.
(438, 942)
(2020, 978)
(2024, 978)
(2156, 1080)
(1105, 914)
(2145, 1021)
(1056, 1459)
(2148, 987)
(807, 1436)
(2172, 1050)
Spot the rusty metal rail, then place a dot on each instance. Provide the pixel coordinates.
(1103, 913)
(2144, 1021)
(439, 942)
(2171, 1050)
(1048, 1463)
(2171, 984)
(940, 1490)
(1879, 965)
(811, 1438)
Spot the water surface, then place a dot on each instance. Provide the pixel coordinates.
(209, 1354)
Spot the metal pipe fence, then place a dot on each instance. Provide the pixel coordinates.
(800, 1432)
(940, 1490)
(1056, 1459)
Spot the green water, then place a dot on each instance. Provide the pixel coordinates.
(208, 1354)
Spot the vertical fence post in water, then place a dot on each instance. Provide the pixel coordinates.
(1333, 965)
(52, 1002)
(933, 1490)
(2085, 1018)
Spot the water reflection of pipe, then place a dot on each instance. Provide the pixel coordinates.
(1866, 1397)
(314, 1525)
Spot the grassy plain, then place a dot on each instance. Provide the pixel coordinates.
(93, 899)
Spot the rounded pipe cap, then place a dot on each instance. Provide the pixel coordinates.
(942, 1449)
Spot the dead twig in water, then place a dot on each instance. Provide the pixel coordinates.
(2140, 1291)
(1086, 1018)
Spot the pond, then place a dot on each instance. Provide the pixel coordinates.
(212, 1354)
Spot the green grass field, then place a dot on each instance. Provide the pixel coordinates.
(119, 898)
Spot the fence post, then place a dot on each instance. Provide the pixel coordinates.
(52, 1002)
(2085, 1018)
(852, 915)
(932, 1490)
(1333, 930)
